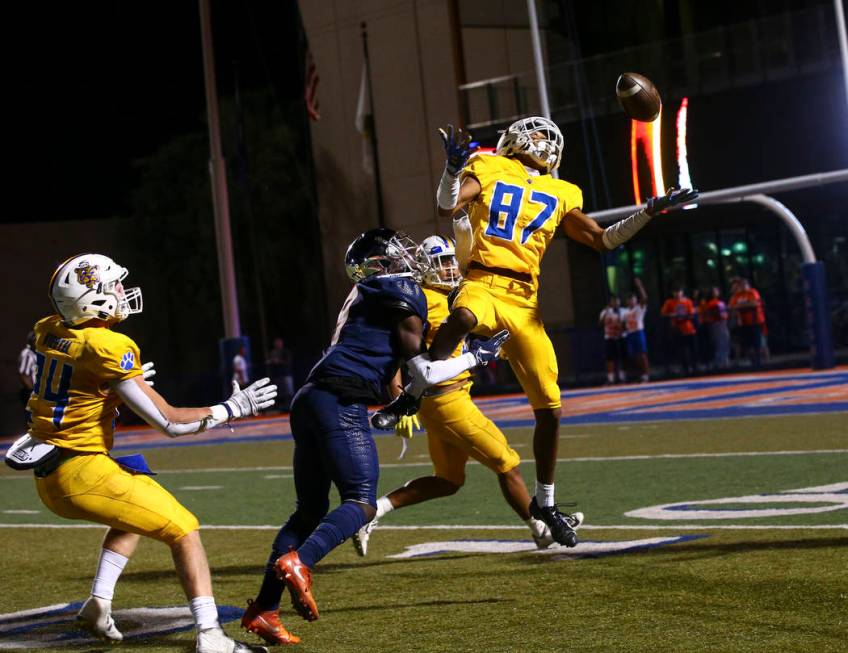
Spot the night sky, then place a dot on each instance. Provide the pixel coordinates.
(93, 86)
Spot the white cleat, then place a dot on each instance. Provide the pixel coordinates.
(215, 640)
(361, 537)
(95, 616)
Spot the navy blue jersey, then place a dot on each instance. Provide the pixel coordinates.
(364, 348)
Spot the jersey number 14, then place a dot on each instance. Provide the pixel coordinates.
(59, 397)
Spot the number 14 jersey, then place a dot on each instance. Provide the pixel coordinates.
(516, 214)
(72, 405)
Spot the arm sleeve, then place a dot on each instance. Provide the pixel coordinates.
(143, 406)
(425, 372)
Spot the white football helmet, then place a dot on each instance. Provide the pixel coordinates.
(537, 137)
(89, 286)
(443, 268)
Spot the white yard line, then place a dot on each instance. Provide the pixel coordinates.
(580, 459)
(504, 527)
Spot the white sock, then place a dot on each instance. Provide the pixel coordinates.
(536, 526)
(109, 569)
(383, 506)
(204, 612)
(544, 494)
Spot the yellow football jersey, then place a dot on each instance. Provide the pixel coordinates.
(71, 405)
(516, 214)
(437, 312)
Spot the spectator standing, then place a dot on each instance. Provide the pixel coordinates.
(240, 374)
(748, 307)
(681, 311)
(26, 369)
(280, 370)
(634, 324)
(612, 319)
(714, 316)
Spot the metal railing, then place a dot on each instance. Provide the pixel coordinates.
(744, 54)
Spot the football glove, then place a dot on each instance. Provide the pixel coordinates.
(404, 429)
(252, 399)
(147, 373)
(388, 417)
(458, 147)
(485, 351)
(673, 198)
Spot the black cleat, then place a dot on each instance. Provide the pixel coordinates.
(562, 524)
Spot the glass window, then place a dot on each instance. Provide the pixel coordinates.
(705, 260)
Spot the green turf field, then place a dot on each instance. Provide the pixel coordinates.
(765, 583)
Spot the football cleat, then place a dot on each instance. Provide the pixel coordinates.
(267, 625)
(360, 538)
(298, 578)
(215, 640)
(562, 524)
(96, 617)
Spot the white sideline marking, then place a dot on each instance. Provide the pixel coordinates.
(278, 476)
(201, 488)
(500, 527)
(21, 512)
(582, 459)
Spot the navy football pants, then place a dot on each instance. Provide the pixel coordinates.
(333, 445)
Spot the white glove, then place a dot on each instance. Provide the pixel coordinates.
(252, 399)
(147, 373)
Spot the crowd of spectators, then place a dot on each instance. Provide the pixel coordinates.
(701, 333)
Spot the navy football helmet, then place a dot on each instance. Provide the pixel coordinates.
(384, 251)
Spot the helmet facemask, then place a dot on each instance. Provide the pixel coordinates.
(440, 255)
(399, 257)
(89, 287)
(537, 138)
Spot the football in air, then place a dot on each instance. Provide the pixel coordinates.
(638, 96)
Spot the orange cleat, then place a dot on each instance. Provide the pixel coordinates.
(298, 578)
(267, 625)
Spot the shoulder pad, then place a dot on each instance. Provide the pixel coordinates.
(402, 293)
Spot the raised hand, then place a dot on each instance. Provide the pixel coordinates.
(674, 198)
(458, 147)
(252, 399)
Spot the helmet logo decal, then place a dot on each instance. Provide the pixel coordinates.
(88, 275)
(128, 361)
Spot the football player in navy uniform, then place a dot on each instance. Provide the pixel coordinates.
(381, 322)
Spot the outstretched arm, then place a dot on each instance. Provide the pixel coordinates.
(640, 288)
(577, 225)
(175, 422)
(450, 196)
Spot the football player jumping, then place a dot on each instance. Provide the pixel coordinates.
(381, 322)
(514, 208)
(84, 371)
(456, 428)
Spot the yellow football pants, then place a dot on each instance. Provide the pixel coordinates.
(95, 488)
(503, 303)
(457, 430)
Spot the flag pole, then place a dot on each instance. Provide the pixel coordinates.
(372, 131)
(218, 174)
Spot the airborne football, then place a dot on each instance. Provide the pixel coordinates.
(638, 96)
(445, 326)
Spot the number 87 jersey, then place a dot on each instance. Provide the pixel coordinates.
(71, 404)
(516, 213)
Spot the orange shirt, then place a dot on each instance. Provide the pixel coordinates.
(753, 312)
(681, 312)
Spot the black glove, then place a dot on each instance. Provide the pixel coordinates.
(673, 198)
(388, 416)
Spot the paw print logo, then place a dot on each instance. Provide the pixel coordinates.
(127, 361)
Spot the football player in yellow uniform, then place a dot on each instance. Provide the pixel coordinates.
(84, 372)
(514, 208)
(456, 429)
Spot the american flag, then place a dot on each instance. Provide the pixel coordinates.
(310, 93)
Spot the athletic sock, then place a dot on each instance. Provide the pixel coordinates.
(109, 569)
(334, 529)
(384, 506)
(544, 494)
(537, 526)
(204, 612)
